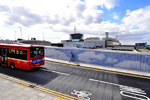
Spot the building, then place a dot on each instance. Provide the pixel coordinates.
(140, 45)
(35, 42)
(76, 40)
(8, 41)
(110, 42)
(94, 42)
(57, 44)
(123, 48)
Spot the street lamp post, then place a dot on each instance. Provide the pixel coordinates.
(15, 35)
(43, 36)
(20, 32)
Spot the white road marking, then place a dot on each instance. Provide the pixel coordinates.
(61, 73)
(55, 71)
(131, 89)
(82, 94)
(104, 82)
(131, 92)
(134, 95)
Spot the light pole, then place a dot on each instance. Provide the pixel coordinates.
(43, 36)
(28, 36)
(20, 32)
(15, 34)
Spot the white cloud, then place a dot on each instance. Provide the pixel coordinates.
(135, 27)
(138, 18)
(108, 3)
(57, 18)
(49, 16)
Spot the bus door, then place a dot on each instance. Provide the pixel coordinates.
(4, 56)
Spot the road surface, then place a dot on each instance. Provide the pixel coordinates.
(84, 83)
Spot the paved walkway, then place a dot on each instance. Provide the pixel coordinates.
(10, 90)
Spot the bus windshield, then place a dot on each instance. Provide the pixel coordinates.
(36, 51)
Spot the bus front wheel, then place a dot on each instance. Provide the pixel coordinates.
(12, 65)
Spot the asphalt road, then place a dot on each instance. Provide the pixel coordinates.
(84, 83)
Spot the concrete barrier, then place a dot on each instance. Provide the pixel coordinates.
(117, 59)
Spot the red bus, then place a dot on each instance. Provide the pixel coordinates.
(21, 56)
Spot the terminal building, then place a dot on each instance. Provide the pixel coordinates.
(94, 42)
(76, 40)
(110, 42)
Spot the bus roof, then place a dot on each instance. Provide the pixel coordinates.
(18, 45)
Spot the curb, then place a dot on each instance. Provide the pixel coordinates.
(23, 83)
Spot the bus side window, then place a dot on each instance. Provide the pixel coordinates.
(3, 52)
(12, 53)
(17, 54)
(8, 52)
(23, 54)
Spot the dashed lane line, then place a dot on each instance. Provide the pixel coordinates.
(60, 73)
(23, 83)
(55, 71)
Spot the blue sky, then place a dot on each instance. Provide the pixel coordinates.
(129, 19)
(121, 7)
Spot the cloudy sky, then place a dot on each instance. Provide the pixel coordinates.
(55, 19)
